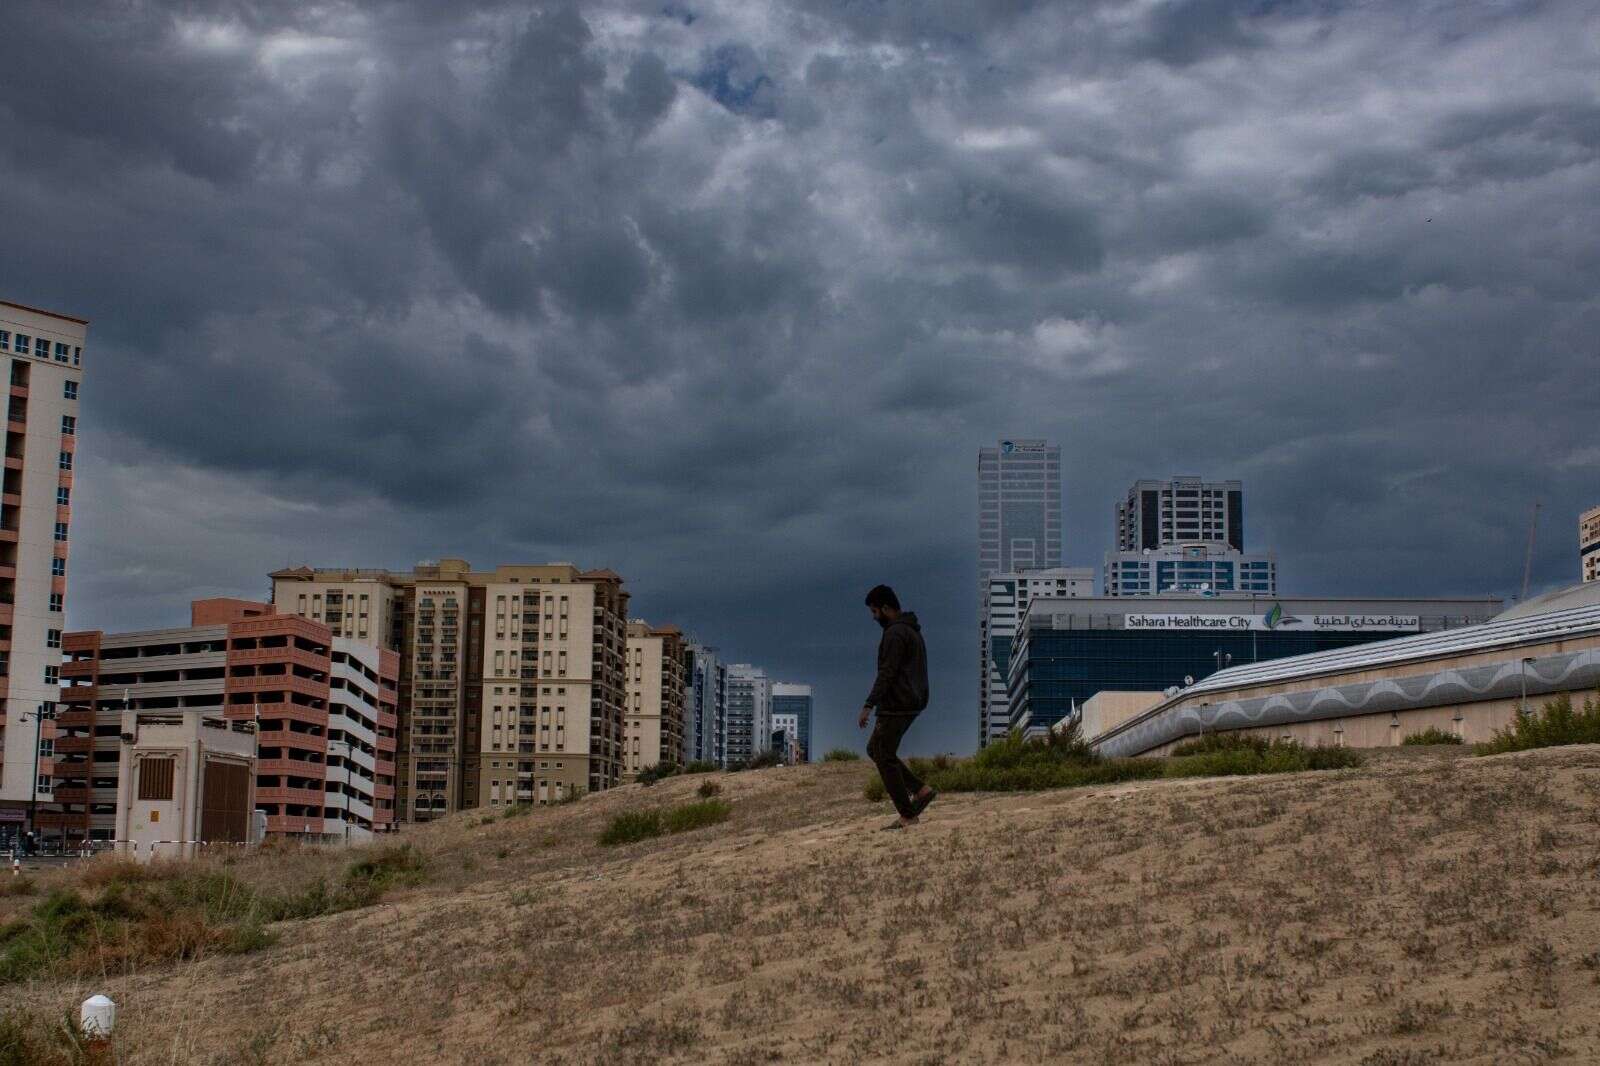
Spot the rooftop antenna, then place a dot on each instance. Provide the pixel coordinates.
(1527, 562)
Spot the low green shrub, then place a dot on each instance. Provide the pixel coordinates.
(708, 789)
(1280, 757)
(764, 760)
(1431, 735)
(630, 827)
(874, 791)
(659, 772)
(1556, 724)
(1207, 743)
(696, 815)
(517, 810)
(699, 766)
(841, 755)
(1063, 760)
(166, 912)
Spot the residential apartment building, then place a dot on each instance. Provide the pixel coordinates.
(792, 706)
(512, 680)
(44, 360)
(1008, 599)
(657, 689)
(1182, 510)
(749, 714)
(1208, 568)
(786, 737)
(322, 710)
(1185, 535)
(1589, 544)
(705, 735)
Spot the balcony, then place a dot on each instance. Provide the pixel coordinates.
(77, 794)
(284, 738)
(310, 797)
(297, 767)
(292, 824)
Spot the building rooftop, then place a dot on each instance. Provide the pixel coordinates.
(42, 311)
(1506, 630)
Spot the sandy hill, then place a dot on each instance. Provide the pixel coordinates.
(1424, 908)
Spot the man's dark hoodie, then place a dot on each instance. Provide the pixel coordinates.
(902, 684)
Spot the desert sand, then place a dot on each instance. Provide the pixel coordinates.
(1429, 907)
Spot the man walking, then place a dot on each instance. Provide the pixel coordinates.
(898, 694)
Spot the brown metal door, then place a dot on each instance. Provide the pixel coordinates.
(225, 802)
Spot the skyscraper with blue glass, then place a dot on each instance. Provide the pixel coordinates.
(1019, 528)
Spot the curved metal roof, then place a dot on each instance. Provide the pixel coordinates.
(1583, 594)
(1500, 632)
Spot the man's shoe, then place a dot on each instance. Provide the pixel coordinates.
(920, 804)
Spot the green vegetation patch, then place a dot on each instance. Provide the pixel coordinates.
(1431, 735)
(662, 770)
(841, 755)
(1063, 760)
(1557, 724)
(630, 827)
(129, 917)
(696, 815)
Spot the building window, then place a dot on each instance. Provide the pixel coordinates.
(45, 785)
(66, 461)
(47, 749)
(77, 355)
(69, 425)
(61, 531)
(41, 347)
(52, 638)
(5, 340)
(62, 352)
(21, 345)
(63, 495)
(56, 601)
(58, 567)
(70, 390)
(155, 779)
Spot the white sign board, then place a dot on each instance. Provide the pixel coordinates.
(1277, 622)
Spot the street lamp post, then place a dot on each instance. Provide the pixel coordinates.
(38, 717)
(1223, 658)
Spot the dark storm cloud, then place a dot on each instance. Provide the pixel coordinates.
(725, 294)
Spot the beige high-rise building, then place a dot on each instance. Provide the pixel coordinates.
(658, 678)
(44, 358)
(1589, 543)
(512, 680)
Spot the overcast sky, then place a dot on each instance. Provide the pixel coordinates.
(727, 295)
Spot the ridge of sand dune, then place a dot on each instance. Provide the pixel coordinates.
(1416, 910)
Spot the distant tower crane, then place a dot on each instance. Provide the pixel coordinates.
(1527, 562)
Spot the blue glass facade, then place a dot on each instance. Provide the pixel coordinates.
(800, 707)
(1066, 665)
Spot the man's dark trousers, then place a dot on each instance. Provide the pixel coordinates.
(898, 780)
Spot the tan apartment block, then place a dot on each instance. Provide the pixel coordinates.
(512, 682)
(1589, 543)
(658, 678)
(43, 357)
